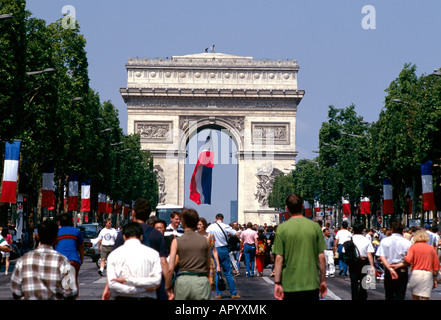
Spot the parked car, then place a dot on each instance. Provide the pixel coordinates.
(90, 233)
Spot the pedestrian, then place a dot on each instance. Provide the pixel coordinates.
(70, 243)
(341, 237)
(106, 241)
(329, 252)
(161, 225)
(214, 261)
(6, 254)
(151, 237)
(220, 231)
(234, 243)
(424, 264)
(191, 252)
(174, 229)
(363, 265)
(43, 273)
(392, 250)
(260, 251)
(300, 266)
(249, 240)
(133, 270)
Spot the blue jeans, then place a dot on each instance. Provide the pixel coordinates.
(341, 265)
(225, 262)
(250, 254)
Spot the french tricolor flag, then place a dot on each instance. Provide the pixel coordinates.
(126, 209)
(346, 206)
(47, 188)
(85, 196)
(365, 205)
(200, 186)
(73, 193)
(101, 203)
(388, 204)
(316, 206)
(10, 172)
(308, 211)
(427, 184)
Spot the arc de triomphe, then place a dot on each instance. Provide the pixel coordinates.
(255, 101)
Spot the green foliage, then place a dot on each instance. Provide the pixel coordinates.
(59, 118)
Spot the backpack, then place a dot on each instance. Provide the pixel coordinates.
(350, 254)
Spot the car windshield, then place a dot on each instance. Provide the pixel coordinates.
(88, 231)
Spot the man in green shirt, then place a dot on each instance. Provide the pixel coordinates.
(300, 265)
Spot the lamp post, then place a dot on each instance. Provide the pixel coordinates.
(6, 16)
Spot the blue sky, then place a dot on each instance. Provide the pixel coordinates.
(340, 62)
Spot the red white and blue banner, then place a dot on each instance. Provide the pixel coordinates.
(388, 204)
(427, 185)
(101, 203)
(200, 186)
(85, 196)
(346, 205)
(317, 207)
(308, 210)
(365, 205)
(47, 189)
(73, 193)
(126, 209)
(10, 172)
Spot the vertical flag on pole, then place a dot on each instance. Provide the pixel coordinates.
(200, 186)
(85, 196)
(316, 206)
(126, 209)
(365, 205)
(101, 203)
(10, 172)
(308, 211)
(109, 205)
(47, 189)
(346, 207)
(388, 204)
(427, 184)
(73, 193)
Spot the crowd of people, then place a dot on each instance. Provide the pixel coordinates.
(190, 258)
(386, 254)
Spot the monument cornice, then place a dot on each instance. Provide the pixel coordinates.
(204, 93)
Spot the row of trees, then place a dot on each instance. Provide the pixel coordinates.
(355, 156)
(59, 118)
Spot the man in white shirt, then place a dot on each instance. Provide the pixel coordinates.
(358, 272)
(106, 240)
(342, 236)
(134, 270)
(392, 250)
(221, 231)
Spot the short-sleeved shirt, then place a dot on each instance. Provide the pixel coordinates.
(107, 236)
(299, 241)
(394, 248)
(248, 236)
(69, 239)
(422, 256)
(363, 245)
(221, 237)
(342, 236)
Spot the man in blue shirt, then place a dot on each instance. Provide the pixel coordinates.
(70, 243)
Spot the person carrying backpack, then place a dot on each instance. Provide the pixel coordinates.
(358, 255)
